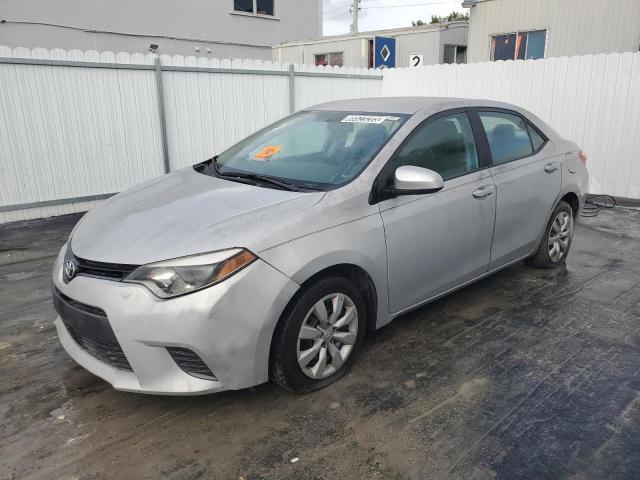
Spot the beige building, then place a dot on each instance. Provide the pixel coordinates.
(523, 29)
(439, 43)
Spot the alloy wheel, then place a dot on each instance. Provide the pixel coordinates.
(559, 236)
(327, 336)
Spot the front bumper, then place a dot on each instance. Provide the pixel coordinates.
(229, 326)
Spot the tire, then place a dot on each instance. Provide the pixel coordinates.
(287, 348)
(550, 253)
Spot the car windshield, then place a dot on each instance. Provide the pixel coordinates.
(312, 149)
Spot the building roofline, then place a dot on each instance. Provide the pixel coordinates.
(472, 3)
(371, 33)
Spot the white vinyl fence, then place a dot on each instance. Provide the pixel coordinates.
(592, 100)
(76, 127)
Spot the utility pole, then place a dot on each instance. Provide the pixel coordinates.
(355, 8)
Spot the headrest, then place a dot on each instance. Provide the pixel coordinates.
(443, 132)
(504, 130)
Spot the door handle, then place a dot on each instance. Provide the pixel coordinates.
(551, 167)
(484, 191)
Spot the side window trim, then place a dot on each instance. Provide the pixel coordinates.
(545, 139)
(475, 112)
(482, 142)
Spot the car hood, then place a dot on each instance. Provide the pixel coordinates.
(185, 213)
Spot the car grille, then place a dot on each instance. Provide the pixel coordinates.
(112, 271)
(90, 329)
(191, 363)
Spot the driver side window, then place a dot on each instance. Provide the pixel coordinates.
(444, 145)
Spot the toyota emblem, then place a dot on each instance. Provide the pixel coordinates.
(69, 269)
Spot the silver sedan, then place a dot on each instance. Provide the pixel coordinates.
(274, 259)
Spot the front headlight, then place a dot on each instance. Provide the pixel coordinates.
(171, 278)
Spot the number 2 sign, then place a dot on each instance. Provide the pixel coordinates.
(416, 60)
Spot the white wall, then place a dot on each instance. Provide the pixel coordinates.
(575, 27)
(177, 27)
(592, 100)
(208, 112)
(70, 132)
(427, 43)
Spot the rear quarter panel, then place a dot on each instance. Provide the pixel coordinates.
(575, 176)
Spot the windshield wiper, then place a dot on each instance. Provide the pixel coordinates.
(216, 167)
(257, 178)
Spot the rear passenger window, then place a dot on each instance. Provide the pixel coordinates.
(445, 145)
(508, 136)
(536, 139)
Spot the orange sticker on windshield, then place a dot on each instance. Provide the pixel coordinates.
(267, 152)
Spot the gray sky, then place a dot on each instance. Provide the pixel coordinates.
(337, 19)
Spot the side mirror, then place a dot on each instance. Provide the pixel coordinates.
(411, 180)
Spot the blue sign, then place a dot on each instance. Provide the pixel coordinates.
(384, 52)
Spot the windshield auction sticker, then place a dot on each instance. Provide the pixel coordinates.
(363, 119)
(267, 152)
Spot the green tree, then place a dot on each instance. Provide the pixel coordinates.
(452, 17)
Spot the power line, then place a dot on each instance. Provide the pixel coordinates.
(410, 5)
(436, 2)
(342, 7)
(334, 10)
(336, 16)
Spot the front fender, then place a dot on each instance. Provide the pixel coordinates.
(360, 242)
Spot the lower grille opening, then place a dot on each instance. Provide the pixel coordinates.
(110, 353)
(191, 363)
(89, 327)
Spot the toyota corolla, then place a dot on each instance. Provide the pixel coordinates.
(274, 259)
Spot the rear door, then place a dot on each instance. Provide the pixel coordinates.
(528, 177)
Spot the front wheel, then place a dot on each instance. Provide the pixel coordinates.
(556, 241)
(317, 340)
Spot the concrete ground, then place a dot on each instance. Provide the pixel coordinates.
(527, 374)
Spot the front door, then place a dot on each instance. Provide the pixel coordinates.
(438, 241)
(528, 176)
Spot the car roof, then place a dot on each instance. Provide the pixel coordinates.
(408, 105)
(429, 106)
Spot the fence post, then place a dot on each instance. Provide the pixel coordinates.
(161, 114)
(292, 88)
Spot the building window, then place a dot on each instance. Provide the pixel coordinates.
(259, 7)
(243, 6)
(264, 7)
(334, 59)
(455, 54)
(519, 45)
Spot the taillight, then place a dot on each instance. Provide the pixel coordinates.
(583, 157)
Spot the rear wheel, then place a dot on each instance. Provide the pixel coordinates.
(318, 339)
(556, 242)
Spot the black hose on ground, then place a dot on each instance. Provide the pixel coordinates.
(594, 203)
